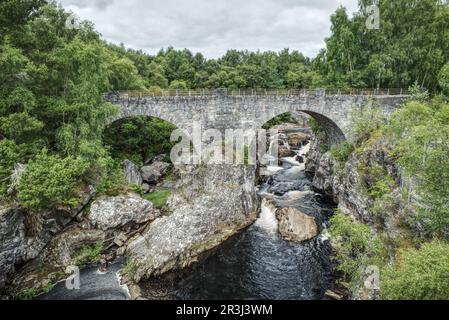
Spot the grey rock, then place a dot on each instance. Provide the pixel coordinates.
(50, 266)
(146, 187)
(12, 241)
(132, 174)
(112, 212)
(210, 204)
(154, 172)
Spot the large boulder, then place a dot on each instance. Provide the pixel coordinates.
(154, 172)
(132, 174)
(285, 152)
(297, 139)
(210, 204)
(295, 225)
(113, 212)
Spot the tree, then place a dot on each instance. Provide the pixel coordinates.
(443, 79)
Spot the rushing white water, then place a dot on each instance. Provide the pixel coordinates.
(267, 219)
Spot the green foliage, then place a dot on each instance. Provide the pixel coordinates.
(356, 247)
(342, 151)
(443, 79)
(30, 294)
(139, 138)
(418, 274)
(158, 197)
(50, 180)
(411, 45)
(130, 268)
(89, 254)
(418, 93)
(364, 121)
(421, 133)
(280, 119)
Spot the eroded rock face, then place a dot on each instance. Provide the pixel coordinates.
(295, 225)
(154, 172)
(12, 241)
(132, 173)
(51, 264)
(209, 205)
(19, 244)
(112, 212)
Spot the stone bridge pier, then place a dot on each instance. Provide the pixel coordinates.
(222, 111)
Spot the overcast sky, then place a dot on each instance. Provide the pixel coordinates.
(212, 26)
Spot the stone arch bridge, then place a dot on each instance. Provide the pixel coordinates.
(220, 109)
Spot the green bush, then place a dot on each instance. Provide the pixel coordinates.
(418, 274)
(342, 151)
(443, 79)
(280, 119)
(420, 132)
(49, 181)
(139, 138)
(89, 254)
(364, 121)
(356, 247)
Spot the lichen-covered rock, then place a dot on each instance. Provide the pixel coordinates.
(24, 235)
(154, 172)
(12, 241)
(112, 212)
(209, 205)
(295, 225)
(50, 266)
(132, 173)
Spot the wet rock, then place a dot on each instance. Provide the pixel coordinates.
(210, 205)
(132, 174)
(112, 212)
(300, 159)
(154, 172)
(295, 225)
(297, 139)
(285, 152)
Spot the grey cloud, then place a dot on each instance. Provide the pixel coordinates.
(212, 27)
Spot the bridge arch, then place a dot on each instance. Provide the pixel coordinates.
(334, 134)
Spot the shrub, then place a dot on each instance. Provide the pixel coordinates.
(49, 181)
(342, 151)
(364, 121)
(89, 254)
(283, 118)
(443, 79)
(356, 246)
(418, 274)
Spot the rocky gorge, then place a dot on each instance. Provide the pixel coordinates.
(167, 245)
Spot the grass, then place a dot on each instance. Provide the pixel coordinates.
(89, 254)
(30, 294)
(158, 198)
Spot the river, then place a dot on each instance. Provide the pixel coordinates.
(254, 264)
